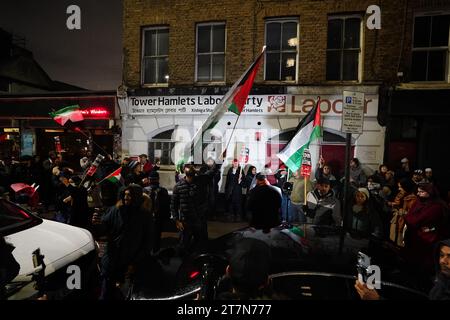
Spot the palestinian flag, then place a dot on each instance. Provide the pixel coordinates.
(234, 100)
(114, 177)
(72, 113)
(238, 94)
(308, 130)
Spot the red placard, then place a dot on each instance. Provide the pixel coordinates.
(305, 171)
(91, 171)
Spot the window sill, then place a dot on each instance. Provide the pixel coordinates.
(431, 85)
(276, 82)
(210, 84)
(344, 82)
(156, 85)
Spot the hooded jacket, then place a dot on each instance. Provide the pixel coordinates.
(441, 289)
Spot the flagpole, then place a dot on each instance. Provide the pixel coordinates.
(229, 140)
(107, 177)
(321, 127)
(219, 111)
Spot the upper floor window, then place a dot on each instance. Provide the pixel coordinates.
(344, 48)
(210, 57)
(281, 50)
(155, 56)
(430, 48)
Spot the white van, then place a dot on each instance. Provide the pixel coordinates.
(62, 246)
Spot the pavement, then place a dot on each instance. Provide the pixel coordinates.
(216, 229)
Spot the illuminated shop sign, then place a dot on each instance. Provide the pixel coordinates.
(96, 113)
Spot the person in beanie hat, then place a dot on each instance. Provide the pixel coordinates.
(132, 175)
(363, 220)
(365, 192)
(404, 171)
(429, 175)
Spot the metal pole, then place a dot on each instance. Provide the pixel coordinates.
(348, 145)
(306, 178)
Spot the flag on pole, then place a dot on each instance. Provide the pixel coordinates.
(234, 100)
(114, 177)
(308, 130)
(72, 113)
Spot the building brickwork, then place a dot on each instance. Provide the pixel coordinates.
(385, 51)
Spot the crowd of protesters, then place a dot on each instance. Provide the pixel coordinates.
(402, 207)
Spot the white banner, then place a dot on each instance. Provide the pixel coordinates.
(267, 105)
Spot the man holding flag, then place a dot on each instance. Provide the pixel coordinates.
(296, 159)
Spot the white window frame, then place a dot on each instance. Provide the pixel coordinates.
(282, 20)
(447, 58)
(155, 84)
(210, 53)
(361, 47)
(171, 146)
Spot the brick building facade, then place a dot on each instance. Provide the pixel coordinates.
(330, 49)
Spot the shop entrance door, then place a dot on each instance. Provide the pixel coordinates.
(334, 156)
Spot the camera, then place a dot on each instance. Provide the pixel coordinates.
(287, 187)
(362, 266)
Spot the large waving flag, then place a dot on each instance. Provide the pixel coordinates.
(234, 100)
(72, 113)
(307, 131)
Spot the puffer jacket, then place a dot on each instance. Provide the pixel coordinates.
(184, 204)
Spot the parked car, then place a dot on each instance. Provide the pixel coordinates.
(61, 245)
(312, 267)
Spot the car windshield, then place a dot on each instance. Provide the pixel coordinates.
(12, 217)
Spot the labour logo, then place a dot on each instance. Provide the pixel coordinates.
(277, 103)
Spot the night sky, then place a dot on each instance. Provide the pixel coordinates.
(90, 58)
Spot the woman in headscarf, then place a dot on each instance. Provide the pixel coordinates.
(426, 224)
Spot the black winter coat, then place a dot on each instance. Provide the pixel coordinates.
(184, 204)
